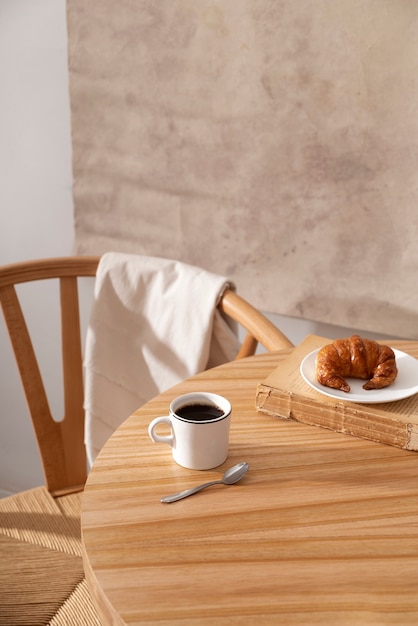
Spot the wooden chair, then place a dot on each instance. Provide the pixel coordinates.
(42, 524)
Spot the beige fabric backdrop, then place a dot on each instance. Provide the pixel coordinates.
(273, 142)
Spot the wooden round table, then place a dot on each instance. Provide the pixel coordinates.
(322, 530)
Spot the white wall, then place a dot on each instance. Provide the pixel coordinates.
(36, 217)
(35, 191)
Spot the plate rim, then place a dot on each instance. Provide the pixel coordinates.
(329, 392)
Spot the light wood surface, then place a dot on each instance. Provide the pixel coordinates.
(322, 530)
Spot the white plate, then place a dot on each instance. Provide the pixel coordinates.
(404, 386)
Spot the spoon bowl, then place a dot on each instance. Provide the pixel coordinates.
(234, 473)
(231, 476)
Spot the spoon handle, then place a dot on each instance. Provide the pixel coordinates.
(189, 492)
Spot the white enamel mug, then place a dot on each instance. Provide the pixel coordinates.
(199, 424)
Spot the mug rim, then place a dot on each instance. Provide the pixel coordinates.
(199, 397)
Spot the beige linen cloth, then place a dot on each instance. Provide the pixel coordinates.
(154, 322)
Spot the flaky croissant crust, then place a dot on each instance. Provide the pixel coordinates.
(355, 357)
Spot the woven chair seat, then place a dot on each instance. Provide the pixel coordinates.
(40, 546)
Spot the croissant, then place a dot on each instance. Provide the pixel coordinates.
(356, 358)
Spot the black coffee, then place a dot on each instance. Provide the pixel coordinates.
(199, 412)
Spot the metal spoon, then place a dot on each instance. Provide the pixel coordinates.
(231, 476)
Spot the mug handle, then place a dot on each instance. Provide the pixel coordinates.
(161, 438)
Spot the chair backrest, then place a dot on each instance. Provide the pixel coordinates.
(259, 329)
(61, 443)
